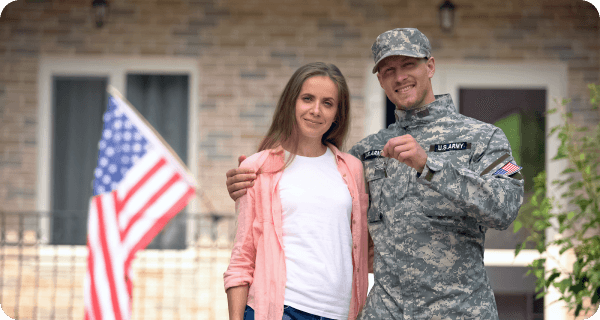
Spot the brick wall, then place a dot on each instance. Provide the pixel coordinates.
(247, 50)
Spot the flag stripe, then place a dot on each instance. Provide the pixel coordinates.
(138, 200)
(150, 202)
(95, 305)
(107, 259)
(141, 198)
(163, 204)
(159, 224)
(142, 181)
(135, 173)
(129, 283)
(98, 269)
(117, 253)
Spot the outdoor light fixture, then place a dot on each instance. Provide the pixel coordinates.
(447, 16)
(100, 8)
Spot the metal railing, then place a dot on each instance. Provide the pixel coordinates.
(179, 275)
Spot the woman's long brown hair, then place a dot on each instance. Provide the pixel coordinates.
(284, 127)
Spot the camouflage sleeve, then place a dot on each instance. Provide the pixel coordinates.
(355, 151)
(492, 199)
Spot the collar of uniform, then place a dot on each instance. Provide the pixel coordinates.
(441, 106)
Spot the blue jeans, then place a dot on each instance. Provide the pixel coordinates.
(289, 313)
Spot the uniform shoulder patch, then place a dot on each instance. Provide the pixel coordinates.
(372, 154)
(508, 169)
(449, 146)
(495, 163)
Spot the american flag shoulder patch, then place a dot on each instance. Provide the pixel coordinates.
(508, 169)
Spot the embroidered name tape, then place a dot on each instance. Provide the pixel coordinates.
(372, 154)
(449, 146)
(508, 169)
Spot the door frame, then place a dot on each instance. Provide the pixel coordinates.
(552, 76)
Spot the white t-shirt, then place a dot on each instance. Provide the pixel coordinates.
(317, 240)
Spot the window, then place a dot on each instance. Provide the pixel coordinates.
(71, 124)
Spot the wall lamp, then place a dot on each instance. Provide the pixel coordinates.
(100, 8)
(447, 16)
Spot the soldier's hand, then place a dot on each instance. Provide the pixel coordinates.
(239, 179)
(406, 150)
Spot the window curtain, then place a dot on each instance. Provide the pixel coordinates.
(78, 105)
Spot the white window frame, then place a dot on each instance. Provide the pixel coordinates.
(115, 69)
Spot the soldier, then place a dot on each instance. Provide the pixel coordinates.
(437, 181)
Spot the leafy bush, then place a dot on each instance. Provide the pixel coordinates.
(578, 221)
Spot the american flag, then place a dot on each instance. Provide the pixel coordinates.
(508, 169)
(140, 184)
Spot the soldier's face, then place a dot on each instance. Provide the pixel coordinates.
(406, 80)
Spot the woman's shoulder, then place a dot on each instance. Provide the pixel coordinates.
(257, 160)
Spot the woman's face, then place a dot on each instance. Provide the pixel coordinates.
(316, 107)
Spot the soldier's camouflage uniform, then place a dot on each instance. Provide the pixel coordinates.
(429, 231)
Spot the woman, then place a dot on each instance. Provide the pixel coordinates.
(301, 243)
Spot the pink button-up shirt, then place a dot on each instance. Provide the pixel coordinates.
(258, 259)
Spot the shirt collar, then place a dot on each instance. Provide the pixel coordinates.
(337, 153)
(277, 150)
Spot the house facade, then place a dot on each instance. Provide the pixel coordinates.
(208, 73)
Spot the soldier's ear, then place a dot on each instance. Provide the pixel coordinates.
(430, 67)
(379, 78)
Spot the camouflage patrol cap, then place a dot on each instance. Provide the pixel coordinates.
(400, 42)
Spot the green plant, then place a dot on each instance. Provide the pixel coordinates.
(578, 221)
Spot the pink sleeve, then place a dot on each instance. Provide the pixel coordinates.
(357, 171)
(243, 254)
(360, 180)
